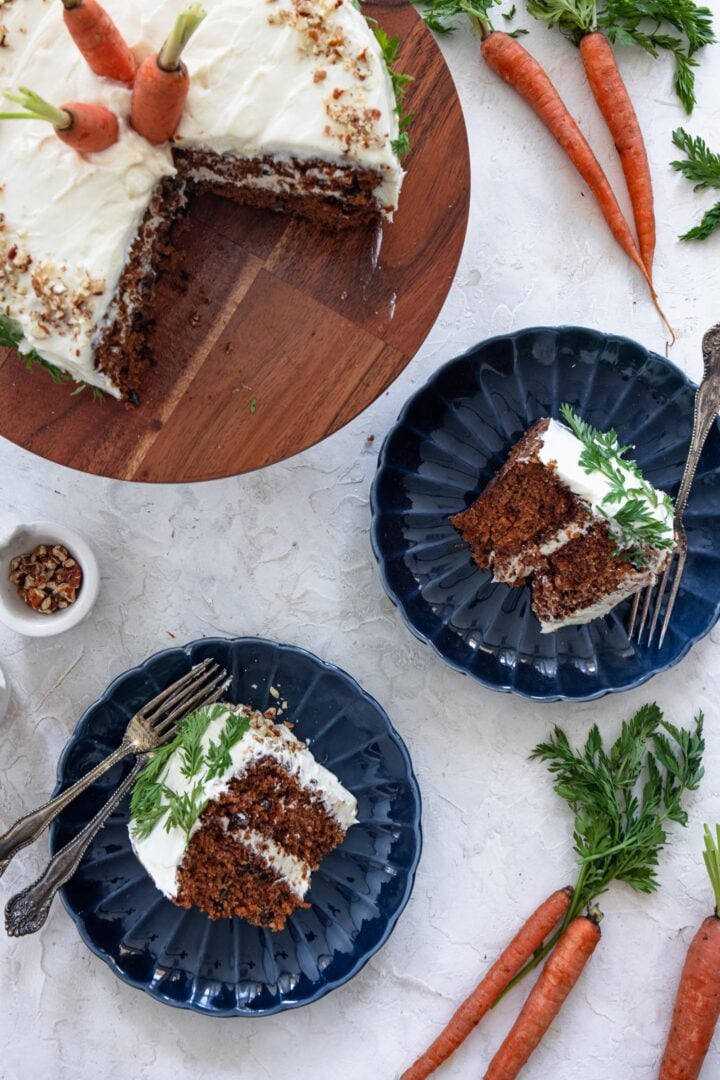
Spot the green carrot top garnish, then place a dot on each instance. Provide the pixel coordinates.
(153, 799)
(646, 23)
(623, 797)
(389, 47)
(702, 168)
(711, 855)
(631, 504)
(186, 24)
(621, 800)
(438, 12)
(36, 108)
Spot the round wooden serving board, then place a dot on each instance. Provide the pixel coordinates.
(273, 334)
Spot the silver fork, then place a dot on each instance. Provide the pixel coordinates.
(149, 728)
(707, 405)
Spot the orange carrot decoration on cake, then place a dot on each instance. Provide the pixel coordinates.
(162, 83)
(86, 127)
(99, 40)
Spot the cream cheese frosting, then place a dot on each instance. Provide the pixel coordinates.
(162, 851)
(561, 448)
(264, 81)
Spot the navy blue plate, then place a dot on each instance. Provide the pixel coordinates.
(451, 438)
(228, 967)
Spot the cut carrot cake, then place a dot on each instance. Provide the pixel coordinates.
(291, 106)
(572, 517)
(235, 814)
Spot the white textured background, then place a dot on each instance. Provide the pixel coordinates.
(285, 553)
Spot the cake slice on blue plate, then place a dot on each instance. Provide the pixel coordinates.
(572, 516)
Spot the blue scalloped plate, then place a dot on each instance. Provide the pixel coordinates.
(228, 967)
(451, 438)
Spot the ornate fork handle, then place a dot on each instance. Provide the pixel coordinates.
(27, 911)
(707, 406)
(29, 827)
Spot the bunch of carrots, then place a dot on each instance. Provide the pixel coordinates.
(159, 85)
(579, 19)
(621, 800)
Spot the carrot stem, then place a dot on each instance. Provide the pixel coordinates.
(711, 855)
(38, 109)
(184, 28)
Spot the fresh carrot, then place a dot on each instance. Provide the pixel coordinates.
(697, 1006)
(579, 21)
(463, 1021)
(86, 127)
(614, 102)
(99, 40)
(516, 66)
(562, 970)
(162, 83)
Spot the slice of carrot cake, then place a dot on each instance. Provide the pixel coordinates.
(235, 814)
(569, 514)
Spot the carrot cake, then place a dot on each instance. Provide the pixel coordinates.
(235, 814)
(292, 106)
(570, 515)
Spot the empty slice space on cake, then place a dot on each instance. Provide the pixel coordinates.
(235, 815)
(571, 515)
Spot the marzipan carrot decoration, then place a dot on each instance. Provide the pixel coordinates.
(521, 949)
(162, 83)
(697, 1006)
(621, 799)
(99, 40)
(86, 127)
(560, 974)
(513, 63)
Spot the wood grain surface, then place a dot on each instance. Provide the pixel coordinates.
(273, 334)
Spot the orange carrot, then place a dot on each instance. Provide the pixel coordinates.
(99, 40)
(697, 1006)
(484, 996)
(162, 83)
(562, 970)
(86, 127)
(516, 66)
(614, 102)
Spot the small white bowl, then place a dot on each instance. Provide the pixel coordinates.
(14, 612)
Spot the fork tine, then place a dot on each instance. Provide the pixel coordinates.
(215, 696)
(633, 614)
(193, 673)
(660, 590)
(220, 684)
(645, 609)
(150, 716)
(673, 595)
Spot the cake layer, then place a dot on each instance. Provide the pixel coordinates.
(226, 876)
(266, 796)
(525, 511)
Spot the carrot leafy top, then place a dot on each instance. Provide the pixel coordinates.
(711, 856)
(646, 23)
(621, 798)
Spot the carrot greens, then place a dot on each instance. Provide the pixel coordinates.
(622, 799)
(711, 855)
(702, 168)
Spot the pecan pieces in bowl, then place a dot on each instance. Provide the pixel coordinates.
(48, 579)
